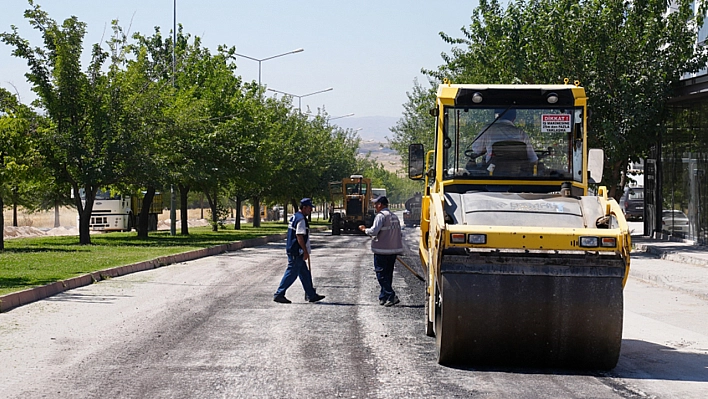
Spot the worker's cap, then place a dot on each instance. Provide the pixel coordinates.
(306, 202)
(380, 199)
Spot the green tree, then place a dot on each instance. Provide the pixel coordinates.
(337, 153)
(142, 108)
(308, 153)
(627, 54)
(19, 160)
(50, 195)
(85, 145)
(278, 131)
(416, 125)
(207, 146)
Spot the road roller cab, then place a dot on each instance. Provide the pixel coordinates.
(524, 266)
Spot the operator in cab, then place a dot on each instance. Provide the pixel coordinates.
(502, 129)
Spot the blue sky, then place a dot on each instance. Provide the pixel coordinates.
(368, 51)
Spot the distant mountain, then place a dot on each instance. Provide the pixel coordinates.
(374, 128)
(382, 153)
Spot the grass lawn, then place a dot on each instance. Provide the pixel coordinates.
(32, 262)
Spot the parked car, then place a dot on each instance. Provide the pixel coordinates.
(674, 222)
(632, 203)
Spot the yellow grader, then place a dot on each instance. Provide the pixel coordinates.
(351, 204)
(525, 264)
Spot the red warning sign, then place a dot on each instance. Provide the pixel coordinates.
(555, 123)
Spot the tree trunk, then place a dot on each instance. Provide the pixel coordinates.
(85, 227)
(295, 204)
(183, 211)
(14, 206)
(237, 221)
(2, 225)
(144, 219)
(256, 212)
(214, 215)
(57, 222)
(85, 215)
(614, 190)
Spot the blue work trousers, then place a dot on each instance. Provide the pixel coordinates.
(383, 266)
(296, 268)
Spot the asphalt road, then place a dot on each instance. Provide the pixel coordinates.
(209, 329)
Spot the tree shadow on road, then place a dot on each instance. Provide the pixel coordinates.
(649, 360)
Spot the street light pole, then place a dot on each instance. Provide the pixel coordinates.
(256, 205)
(299, 98)
(260, 60)
(173, 200)
(174, 40)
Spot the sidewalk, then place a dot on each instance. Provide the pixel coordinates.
(689, 274)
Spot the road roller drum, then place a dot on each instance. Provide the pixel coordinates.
(530, 311)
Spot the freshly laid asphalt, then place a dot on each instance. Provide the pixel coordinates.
(689, 276)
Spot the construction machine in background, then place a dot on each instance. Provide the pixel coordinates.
(377, 192)
(351, 204)
(411, 215)
(524, 265)
(115, 211)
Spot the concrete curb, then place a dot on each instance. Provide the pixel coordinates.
(671, 255)
(659, 280)
(16, 299)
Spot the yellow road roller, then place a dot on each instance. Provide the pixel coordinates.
(525, 255)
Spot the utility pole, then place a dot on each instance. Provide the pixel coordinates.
(173, 212)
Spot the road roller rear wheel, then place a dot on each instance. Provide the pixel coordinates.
(440, 341)
(429, 328)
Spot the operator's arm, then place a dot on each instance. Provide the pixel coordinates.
(375, 227)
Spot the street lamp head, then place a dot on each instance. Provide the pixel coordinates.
(343, 116)
(317, 92)
(260, 60)
(282, 92)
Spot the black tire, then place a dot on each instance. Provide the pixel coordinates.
(437, 327)
(429, 325)
(336, 224)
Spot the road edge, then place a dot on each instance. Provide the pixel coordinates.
(24, 297)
